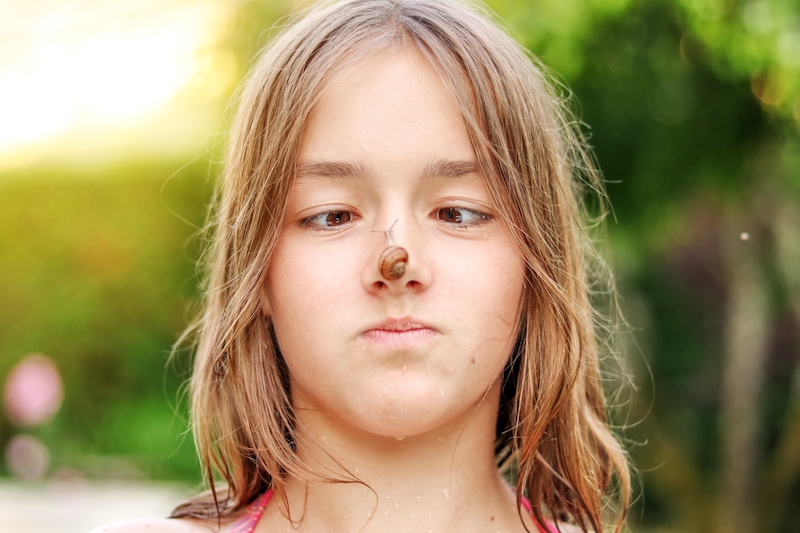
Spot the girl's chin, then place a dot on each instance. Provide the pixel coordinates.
(392, 432)
(414, 418)
(389, 406)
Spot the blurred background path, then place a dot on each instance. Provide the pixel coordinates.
(80, 506)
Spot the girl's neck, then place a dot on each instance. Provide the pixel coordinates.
(439, 482)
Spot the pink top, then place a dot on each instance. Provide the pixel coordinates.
(249, 520)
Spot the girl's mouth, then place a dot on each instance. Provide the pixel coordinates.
(399, 332)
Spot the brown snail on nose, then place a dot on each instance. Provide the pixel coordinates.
(394, 259)
(393, 262)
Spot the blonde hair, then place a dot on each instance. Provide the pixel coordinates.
(552, 425)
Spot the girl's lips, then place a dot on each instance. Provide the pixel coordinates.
(399, 333)
(398, 338)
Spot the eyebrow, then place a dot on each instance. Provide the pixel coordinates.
(331, 169)
(449, 169)
(343, 169)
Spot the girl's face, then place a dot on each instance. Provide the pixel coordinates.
(387, 147)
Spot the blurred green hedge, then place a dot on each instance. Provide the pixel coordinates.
(98, 272)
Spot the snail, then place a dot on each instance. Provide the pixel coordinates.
(393, 260)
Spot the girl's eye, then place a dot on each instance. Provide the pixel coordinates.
(461, 216)
(328, 219)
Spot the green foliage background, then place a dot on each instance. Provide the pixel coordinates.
(98, 273)
(693, 107)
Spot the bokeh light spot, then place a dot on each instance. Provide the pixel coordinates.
(33, 392)
(27, 457)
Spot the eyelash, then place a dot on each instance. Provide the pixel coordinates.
(480, 218)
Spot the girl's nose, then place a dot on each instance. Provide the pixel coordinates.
(395, 269)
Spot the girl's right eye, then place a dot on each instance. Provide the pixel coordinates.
(327, 219)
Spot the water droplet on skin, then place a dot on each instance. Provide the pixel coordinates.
(399, 438)
(485, 236)
(386, 514)
(405, 368)
(440, 439)
(446, 495)
(442, 392)
(396, 506)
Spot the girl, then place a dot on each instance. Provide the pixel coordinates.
(397, 296)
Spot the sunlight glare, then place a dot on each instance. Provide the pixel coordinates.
(88, 64)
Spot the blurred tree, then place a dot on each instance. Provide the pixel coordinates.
(694, 109)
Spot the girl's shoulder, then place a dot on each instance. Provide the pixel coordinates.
(163, 525)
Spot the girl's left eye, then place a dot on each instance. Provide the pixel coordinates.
(462, 216)
(328, 219)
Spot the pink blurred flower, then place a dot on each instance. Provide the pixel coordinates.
(27, 457)
(33, 391)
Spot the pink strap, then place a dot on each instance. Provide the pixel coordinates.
(249, 520)
(546, 528)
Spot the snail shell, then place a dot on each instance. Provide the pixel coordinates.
(393, 262)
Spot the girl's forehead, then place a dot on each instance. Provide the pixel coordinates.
(390, 101)
(397, 68)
